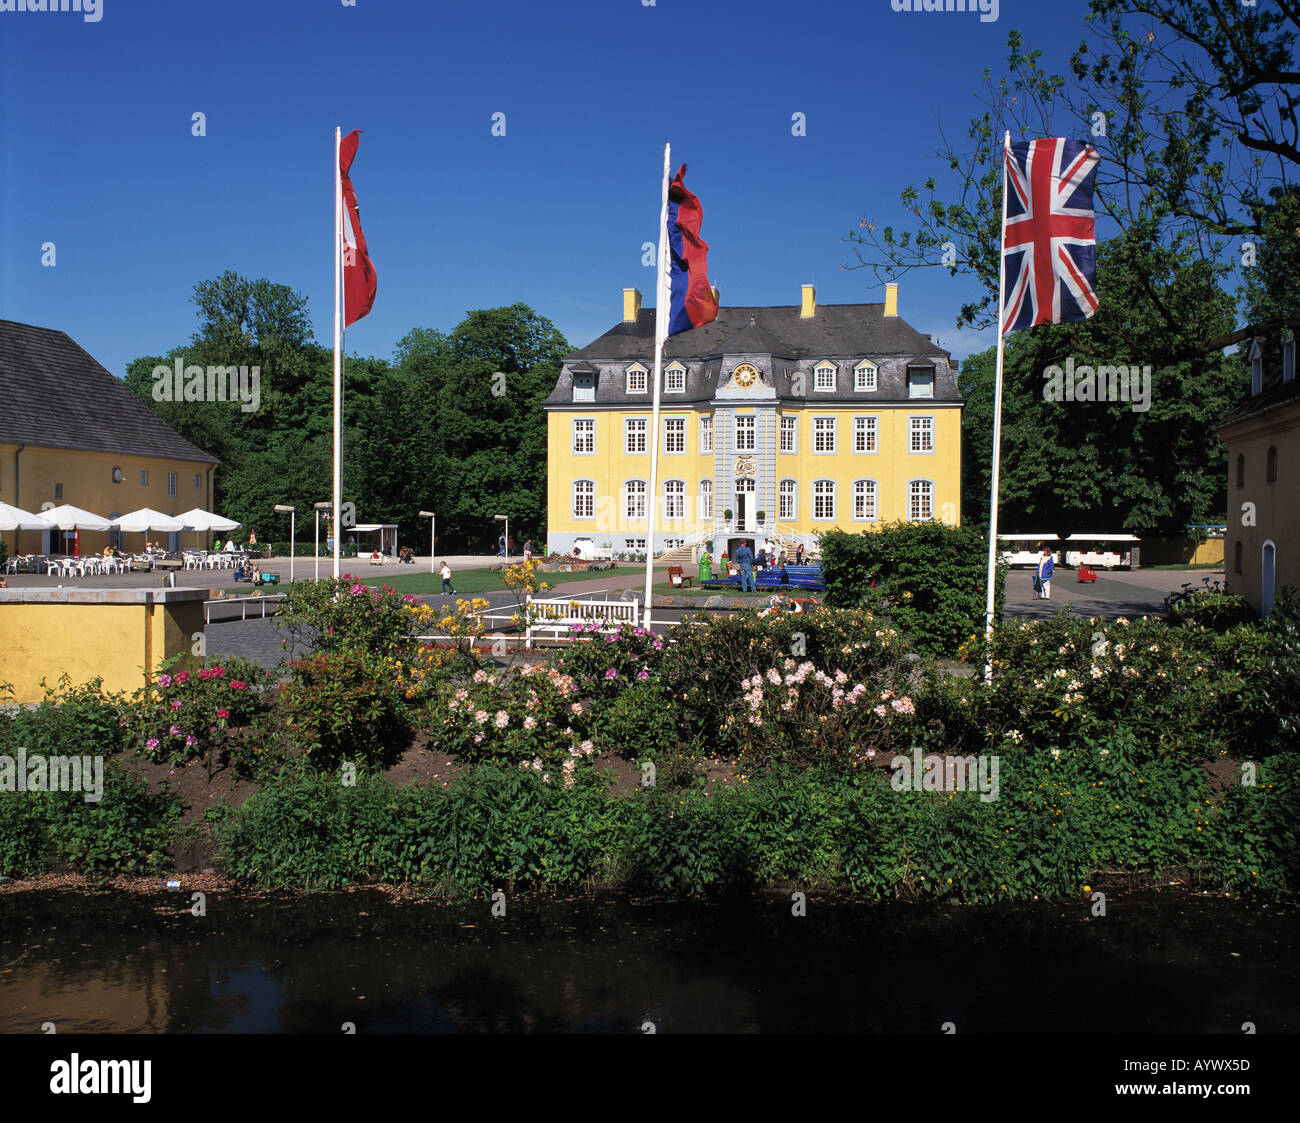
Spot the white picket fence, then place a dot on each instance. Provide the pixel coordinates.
(558, 614)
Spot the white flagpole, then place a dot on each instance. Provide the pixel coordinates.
(338, 354)
(997, 424)
(661, 334)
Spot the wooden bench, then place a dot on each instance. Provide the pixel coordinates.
(676, 577)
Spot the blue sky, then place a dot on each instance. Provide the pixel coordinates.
(98, 155)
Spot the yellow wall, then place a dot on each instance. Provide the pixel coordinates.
(116, 634)
(892, 467)
(87, 479)
(1276, 505)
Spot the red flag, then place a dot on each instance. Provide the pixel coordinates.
(359, 282)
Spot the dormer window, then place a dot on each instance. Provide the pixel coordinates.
(865, 377)
(584, 387)
(824, 378)
(1288, 357)
(675, 379)
(920, 382)
(636, 379)
(1256, 370)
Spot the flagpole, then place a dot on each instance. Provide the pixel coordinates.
(997, 425)
(338, 354)
(661, 334)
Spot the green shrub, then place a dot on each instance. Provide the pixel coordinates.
(24, 841)
(933, 575)
(128, 831)
(71, 720)
(347, 705)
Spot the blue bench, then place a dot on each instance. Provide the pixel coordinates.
(799, 577)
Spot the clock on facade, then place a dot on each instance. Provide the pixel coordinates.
(744, 376)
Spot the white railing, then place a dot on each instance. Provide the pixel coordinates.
(558, 615)
(243, 602)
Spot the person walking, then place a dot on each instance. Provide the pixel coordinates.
(445, 572)
(501, 546)
(798, 554)
(1045, 566)
(744, 559)
(528, 550)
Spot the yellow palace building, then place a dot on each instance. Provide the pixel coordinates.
(776, 425)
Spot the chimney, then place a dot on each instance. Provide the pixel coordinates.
(808, 308)
(631, 305)
(891, 300)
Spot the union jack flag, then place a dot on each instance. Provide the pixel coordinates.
(1049, 248)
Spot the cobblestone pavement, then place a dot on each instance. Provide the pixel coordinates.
(1119, 593)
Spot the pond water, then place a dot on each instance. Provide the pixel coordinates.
(1166, 962)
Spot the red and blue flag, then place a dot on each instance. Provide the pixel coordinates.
(1049, 246)
(691, 303)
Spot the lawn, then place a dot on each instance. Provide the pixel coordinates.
(466, 581)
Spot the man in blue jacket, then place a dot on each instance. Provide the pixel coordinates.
(744, 559)
(1045, 566)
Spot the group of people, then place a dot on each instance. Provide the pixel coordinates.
(746, 562)
(503, 543)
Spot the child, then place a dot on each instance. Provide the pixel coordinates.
(445, 572)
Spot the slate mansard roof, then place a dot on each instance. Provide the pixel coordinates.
(779, 343)
(54, 394)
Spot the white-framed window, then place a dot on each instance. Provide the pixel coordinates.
(584, 499)
(823, 500)
(824, 378)
(789, 434)
(634, 429)
(865, 377)
(674, 499)
(823, 434)
(864, 500)
(144, 477)
(706, 432)
(920, 501)
(920, 382)
(171, 483)
(920, 433)
(745, 424)
(865, 435)
(1288, 358)
(706, 499)
(197, 481)
(674, 379)
(674, 434)
(584, 387)
(634, 493)
(634, 543)
(637, 379)
(584, 436)
(786, 493)
(1256, 369)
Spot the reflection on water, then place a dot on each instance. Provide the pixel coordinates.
(1155, 963)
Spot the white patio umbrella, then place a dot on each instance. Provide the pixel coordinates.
(199, 520)
(16, 519)
(68, 517)
(147, 519)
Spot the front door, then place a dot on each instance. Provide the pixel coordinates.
(744, 504)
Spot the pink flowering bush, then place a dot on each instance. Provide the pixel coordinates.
(604, 664)
(191, 714)
(798, 714)
(534, 719)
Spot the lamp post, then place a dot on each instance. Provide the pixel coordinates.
(284, 508)
(433, 523)
(319, 508)
(506, 518)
